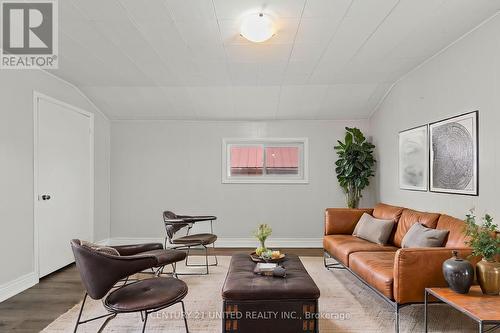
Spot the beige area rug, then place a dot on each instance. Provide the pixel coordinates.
(346, 305)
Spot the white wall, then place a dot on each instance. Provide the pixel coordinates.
(16, 168)
(465, 77)
(176, 165)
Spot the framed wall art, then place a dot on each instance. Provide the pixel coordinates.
(454, 155)
(414, 159)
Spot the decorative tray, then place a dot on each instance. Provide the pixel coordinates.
(256, 258)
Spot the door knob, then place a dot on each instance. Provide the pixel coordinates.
(45, 197)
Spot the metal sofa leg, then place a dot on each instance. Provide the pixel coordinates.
(396, 322)
(334, 265)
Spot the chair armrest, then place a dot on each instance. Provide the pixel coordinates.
(200, 218)
(418, 268)
(342, 221)
(132, 249)
(175, 221)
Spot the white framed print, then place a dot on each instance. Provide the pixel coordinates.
(414, 159)
(454, 155)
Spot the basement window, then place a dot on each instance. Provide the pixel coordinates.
(275, 160)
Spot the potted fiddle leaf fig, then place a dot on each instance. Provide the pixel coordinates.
(485, 242)
(355, 165)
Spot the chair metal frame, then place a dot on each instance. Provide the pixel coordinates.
(188, 222)
(111, 315)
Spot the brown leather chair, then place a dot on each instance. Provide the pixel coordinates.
(174, 223)
(100, 271)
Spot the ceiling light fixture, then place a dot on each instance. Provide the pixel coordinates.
(257, 28)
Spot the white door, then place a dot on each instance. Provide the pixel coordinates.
(64, 181)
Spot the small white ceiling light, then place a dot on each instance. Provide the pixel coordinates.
(257, 28)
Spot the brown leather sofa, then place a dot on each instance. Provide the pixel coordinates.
(399, 275)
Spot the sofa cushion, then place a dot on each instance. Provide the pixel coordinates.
(456, 236)
(341, 246)
(373, 230)
(408, 218)
(375, 268)
(387, 212)
(421, 236)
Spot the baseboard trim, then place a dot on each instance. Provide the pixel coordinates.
(14, 287)
(232, 242)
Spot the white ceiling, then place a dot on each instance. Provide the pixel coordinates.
(185, 59)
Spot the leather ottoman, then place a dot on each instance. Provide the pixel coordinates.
(264, 304)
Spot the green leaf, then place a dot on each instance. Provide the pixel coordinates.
(348, 139)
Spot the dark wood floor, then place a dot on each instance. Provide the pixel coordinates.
(38, 306)
(35, 308)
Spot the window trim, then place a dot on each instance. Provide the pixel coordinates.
(264, 179)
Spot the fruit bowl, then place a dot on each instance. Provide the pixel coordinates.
(261, 258)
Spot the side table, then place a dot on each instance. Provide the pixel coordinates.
(484, 309)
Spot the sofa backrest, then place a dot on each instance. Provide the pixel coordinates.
(456, 236)
(387, 212)
(408, 218)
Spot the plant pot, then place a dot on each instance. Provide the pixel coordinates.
(352, 197)
(459, 274)
(488, 276)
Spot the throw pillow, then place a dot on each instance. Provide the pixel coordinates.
(373, 230)
(421, 236)
(100, 248)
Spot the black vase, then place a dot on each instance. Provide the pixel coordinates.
(459, 274)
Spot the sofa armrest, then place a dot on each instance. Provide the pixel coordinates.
(418, 268)
(342, 221)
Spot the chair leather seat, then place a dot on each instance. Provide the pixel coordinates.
(204, 239)
(166, 257)
(341, 246)
(375, 268)
(148, 294)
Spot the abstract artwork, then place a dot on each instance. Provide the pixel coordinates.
(413, 159)
(454, 160)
